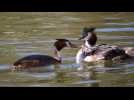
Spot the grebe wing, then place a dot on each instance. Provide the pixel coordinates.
(106, 51)
(109, 52)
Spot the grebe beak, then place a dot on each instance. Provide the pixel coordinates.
(84, 35)
(81, 38)
(73, 46)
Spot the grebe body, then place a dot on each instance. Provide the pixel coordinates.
(90, 52)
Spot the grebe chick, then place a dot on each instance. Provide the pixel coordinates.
(43, 60)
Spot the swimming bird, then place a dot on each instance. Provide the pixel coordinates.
(43, 60)
(91, 52)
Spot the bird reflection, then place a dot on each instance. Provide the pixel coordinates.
(76, 78)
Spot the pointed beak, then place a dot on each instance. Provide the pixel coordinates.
(83, 35)
(73, 46)
(81, 38)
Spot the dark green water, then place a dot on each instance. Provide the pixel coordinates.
(29, 33)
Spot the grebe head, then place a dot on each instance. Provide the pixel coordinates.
(61, 43)
(89, 36)
(86, 32)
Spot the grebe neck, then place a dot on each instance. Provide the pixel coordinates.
(87, 44)
(57, 55)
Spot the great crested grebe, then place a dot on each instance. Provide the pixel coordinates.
(91, 52)
(43, 60)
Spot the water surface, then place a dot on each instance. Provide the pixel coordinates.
(26, 33)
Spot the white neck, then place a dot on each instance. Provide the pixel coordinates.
(87, 38)
(87, 44)
(57, 55)
(79, 56)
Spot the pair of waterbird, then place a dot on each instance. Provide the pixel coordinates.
(89, 52)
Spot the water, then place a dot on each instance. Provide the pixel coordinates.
(26, 33)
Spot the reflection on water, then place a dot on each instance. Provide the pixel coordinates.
(24, 34)
(115, 29)
(120, 24)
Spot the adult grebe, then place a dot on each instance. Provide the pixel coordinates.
(90, 52)
(43, 60)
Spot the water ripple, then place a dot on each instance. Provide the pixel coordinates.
(129, 23)
(115, 37)
(87, 82)
(128, 29)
